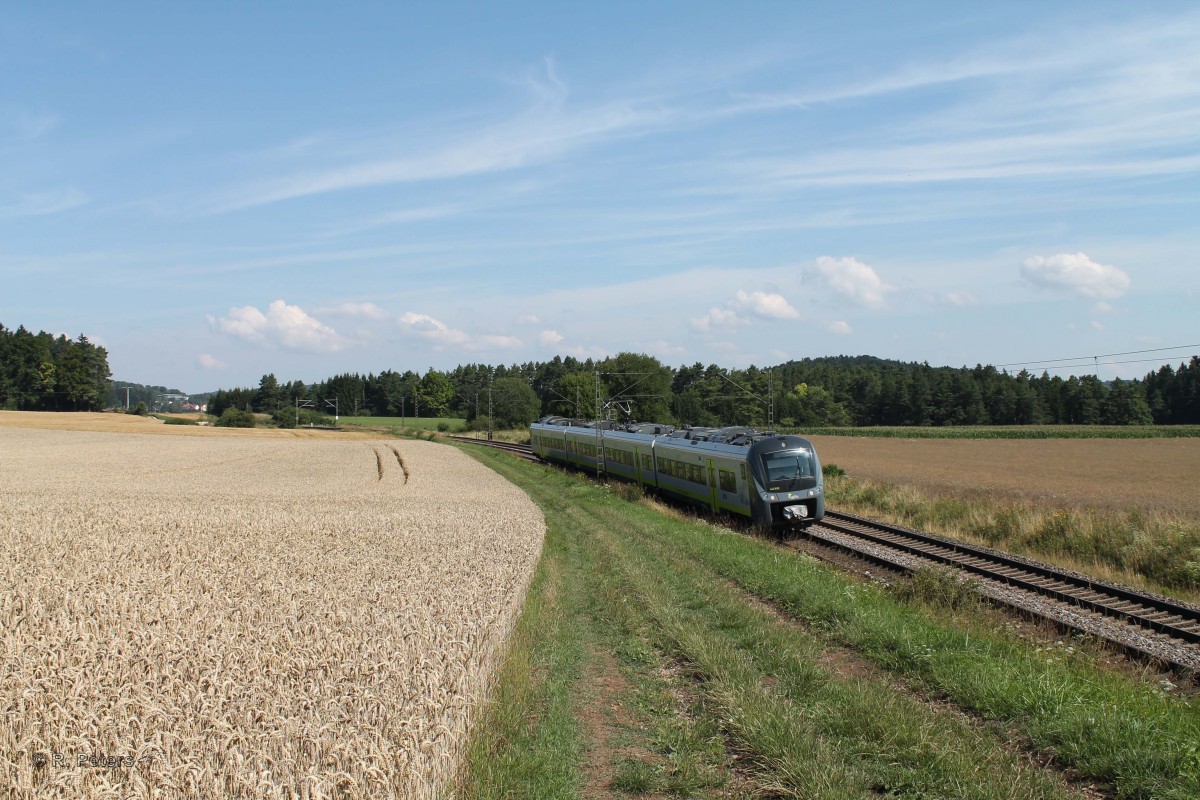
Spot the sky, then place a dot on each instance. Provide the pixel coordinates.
(217, 191)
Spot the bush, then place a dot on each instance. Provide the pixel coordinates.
(443, 426)
(832, 471)
(236, 418)
(286, 418)
(140, 409)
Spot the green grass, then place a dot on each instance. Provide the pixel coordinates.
(1012, 432)
(453, 424)
(1158, 551)
(669, 591)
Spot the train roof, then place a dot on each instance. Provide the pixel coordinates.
(734, 437)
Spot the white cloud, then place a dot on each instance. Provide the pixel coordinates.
(851, 279)
(718, 319)
(433, 329)
(550, 337)
(580, 351)
(661, 347)
(359, 310)
(491, 340)
(282, 325)
(1097, 325)
(765, 304)
(442, 335)
(209, 362)
(839, 326)
(528, 319)
(956, 298)
(1077, 274)
(1103, 308)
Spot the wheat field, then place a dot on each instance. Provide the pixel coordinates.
(188, 616)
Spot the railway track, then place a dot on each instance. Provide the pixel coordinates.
(1143, 624)
(523, 450)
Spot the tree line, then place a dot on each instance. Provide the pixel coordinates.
(43, 372)
(827, 391)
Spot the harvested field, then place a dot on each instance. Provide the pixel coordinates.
(131, 423)
(219, 616)
(1153, 475)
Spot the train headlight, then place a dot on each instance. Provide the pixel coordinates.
(774, 498)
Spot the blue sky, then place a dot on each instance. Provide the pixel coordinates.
(217, 191)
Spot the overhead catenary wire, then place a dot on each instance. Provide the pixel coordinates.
(1093, 359)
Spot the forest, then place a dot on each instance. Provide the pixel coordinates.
(827, 391)
(42, 372)
(53, 373)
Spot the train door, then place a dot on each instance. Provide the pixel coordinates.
(712, 485)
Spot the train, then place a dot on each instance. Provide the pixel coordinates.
(774, 480)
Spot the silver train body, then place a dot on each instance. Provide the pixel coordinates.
(772, 479)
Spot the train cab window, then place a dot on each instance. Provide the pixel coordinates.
(728, 480)
(788, 466)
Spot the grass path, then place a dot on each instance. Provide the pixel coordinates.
(728, 689)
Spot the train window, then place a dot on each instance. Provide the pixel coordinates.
(696, 473)
(788, 466)
(647, 464)
(728, 481)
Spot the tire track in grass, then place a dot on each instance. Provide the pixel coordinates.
(862, 689)
(765, 683)
(1105, 726)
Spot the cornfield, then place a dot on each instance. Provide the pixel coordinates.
(233, 617)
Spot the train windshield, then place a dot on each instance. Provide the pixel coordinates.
(787, 469)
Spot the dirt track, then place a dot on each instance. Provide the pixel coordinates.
(1151, 474)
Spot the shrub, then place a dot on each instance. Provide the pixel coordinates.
(140, 409)
(236, 418)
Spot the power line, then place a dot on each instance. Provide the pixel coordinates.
(1094, 358)
(1106, 363)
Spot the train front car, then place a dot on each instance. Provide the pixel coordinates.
(789, 490)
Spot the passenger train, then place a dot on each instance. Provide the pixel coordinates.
(774, 480)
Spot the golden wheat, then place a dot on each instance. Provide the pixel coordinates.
(222, 617)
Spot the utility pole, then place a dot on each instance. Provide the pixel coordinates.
(599, 427)
(770, 399)
(491, 375)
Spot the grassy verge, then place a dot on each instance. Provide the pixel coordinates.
(1157, 551)
(812, 692)
(1014, 432)
(528, 742)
